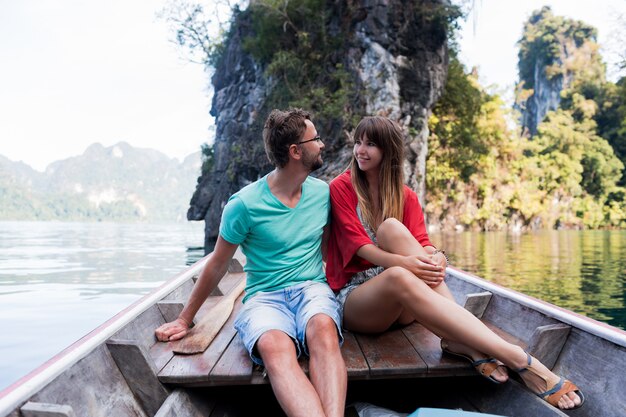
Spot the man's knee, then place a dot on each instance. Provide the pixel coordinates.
(321, 332)
(275, 345)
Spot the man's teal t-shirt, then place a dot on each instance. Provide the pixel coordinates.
(282, 244)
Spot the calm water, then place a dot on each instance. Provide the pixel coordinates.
(583, 271)
(58, 281)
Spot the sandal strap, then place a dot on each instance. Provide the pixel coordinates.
(563, 387)
(481, 361)
(486, 367)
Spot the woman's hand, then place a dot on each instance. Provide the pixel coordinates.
(425, 268)
(440, 259)
(171, 331)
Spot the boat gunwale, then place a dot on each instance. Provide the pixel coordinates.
(28, 385)
(587, 324)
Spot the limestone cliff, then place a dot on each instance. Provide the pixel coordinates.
(395, 55)
(555, 53)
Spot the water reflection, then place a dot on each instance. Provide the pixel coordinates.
(58, 281)
(583, 271)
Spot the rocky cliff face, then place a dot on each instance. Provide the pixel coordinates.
(396, 55)
(555, 53)
(546, 97)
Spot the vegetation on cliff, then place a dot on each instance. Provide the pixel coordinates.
(482, 174)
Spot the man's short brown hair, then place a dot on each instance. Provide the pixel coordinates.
(282, 129)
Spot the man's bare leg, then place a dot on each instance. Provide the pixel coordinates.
(294, 392)
(326, 366)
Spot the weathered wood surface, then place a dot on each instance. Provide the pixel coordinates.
(140, 373)
(182, 403)
(547, 341)
(93, 387)
(353, 356)
(193, 369)
(477, 303)
(412, 351)
(201, 335)
(31, 409)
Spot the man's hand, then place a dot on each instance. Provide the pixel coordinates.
(171, 331)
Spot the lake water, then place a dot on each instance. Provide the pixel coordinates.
(583, 271)
(58, 281)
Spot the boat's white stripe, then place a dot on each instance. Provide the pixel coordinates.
(20, 391)
(586, 324)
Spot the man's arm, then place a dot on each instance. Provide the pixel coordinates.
(213, 271)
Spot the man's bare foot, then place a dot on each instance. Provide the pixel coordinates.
(499, 374)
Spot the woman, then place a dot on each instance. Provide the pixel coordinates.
(387, 272)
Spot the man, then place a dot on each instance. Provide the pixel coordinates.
(279, 221)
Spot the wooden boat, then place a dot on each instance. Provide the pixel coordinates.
(120, 370)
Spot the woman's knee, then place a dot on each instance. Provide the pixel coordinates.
(403, 283)
(390, 230)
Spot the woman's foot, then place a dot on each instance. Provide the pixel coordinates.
(486, 366)
(557, 391)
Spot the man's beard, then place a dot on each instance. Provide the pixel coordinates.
(312, 162)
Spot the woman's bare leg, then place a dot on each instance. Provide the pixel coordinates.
(394, 237)
(376, 304)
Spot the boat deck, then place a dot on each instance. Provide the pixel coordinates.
(408, 352)
(130, 374)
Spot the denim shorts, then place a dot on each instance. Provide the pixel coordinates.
(288, 310)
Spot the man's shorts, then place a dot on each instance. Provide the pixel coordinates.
(288, 310)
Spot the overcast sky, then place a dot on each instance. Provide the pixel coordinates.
(75, 72)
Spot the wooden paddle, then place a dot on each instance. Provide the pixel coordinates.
(202, 334)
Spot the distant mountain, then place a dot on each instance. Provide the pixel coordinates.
(119, 182)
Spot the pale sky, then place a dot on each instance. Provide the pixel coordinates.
(75, 72)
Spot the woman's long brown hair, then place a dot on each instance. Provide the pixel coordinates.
(387, 135)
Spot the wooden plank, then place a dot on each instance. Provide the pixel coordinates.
(391, 354)
(235, 364)
(33, 409)
(515, 318)
(141, 329)
(428, 346)
(597, 367)
(547, 342)
(183, 403)
(93, 387)
(353, 357)
(161, 353)
(505, 335)
(140, 374)
(201, 335)
(182, 292)
(171, 309)
(477, 303)
(513, 400)
(230, 280)
(195, 369)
